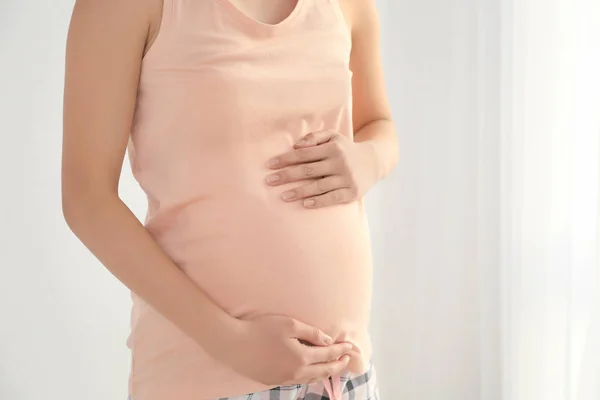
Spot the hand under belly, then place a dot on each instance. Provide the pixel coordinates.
(311, 265)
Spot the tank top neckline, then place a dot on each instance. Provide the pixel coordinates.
(260, 26)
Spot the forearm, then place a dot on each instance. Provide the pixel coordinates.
(118, 239)
(381, 143)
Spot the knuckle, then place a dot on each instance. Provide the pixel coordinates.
(284, 159)
(316, 334)
(321, 185)
(283, 176)
(336, 196)
(291, 324)
(328, 168)
(308, 170)
(302, 154)
(338, 181)
(333, 148)
(337, 146)
(332, 355)
(338, 141)
(300, 360)
(309, 191)
(305, 360)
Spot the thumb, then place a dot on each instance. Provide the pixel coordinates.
(314, 139)
(311, 334)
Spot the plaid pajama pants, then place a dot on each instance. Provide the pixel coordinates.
(352, 387)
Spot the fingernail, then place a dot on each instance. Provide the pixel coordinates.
(273, 178)
(327, 340)
(273, 163)
(309, 203)
(302, 142)
(348, 347)
(288, 195)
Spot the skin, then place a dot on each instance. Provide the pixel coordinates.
(101, 79)
(346, 169)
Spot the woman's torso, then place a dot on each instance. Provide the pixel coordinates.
(220, 94)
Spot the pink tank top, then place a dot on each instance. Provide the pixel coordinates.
(219, 95)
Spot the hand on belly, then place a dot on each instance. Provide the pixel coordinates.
(271, 350)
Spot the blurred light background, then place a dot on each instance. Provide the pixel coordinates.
(486, 235)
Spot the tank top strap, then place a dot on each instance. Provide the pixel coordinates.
(168, 11)
(332, 5)
(326, 14)
(179, 13)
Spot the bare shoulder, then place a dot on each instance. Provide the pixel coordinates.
(360, 14)
(106, 41)
(132, 10)
(123, 17)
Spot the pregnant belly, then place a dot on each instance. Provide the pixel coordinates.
(261, 255)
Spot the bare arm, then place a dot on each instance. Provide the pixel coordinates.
(102, 71)
(104, 51)
(348, 168)
(371, 112)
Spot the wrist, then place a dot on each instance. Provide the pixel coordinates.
(233, 330)
(221, 335)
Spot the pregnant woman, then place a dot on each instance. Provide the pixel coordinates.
(255, 127)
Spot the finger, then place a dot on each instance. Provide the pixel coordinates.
(315, 188)
(301, 172)
(317, 372)
(300, 156)
(314, 138)
(338, 196)
(325, 354)
(311, 334)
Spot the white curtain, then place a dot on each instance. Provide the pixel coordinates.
(487, 234)
(550, 264)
